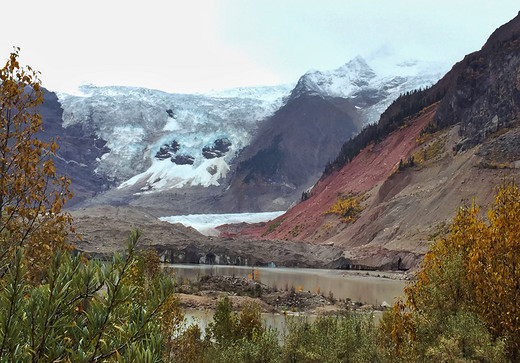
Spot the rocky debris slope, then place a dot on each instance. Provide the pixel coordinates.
(104, 230)
(307, 220)
(402, 212)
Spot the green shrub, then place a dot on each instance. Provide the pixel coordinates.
(233, 337)
(349, 338)
(83, 311)
(272, 227)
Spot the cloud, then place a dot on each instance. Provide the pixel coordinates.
(198, 45)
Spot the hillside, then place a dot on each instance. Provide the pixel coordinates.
(105, 229)
(469, 132)
(324, 109)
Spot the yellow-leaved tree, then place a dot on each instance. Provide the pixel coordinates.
(494, 268)
(464, 302)
(31, 194)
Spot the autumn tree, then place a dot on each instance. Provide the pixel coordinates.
(469, 280)
(494, 269)
(31, 194)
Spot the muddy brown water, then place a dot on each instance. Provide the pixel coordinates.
(369, 287)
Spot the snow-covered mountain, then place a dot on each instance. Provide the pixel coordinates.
(371, 91)
(156, 141)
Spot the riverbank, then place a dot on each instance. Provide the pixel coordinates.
(366, 287)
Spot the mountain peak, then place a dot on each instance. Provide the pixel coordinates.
(340, 82)
(358, 64)
(356, 79)
(504, 32)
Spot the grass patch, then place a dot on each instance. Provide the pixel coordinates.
(493, 165)
(272, 227)
(295, 231)
(429, 152)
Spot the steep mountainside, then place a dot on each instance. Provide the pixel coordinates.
(407, 201)
(289, 152)
(178, 153)
(79, 150)
(292, 147)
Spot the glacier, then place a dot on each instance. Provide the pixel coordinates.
(137, 122)
(206, 223)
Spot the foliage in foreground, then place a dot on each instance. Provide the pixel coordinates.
(349, 338)
(31, 194)
(241, 337)
(83, 312)
(464, 302)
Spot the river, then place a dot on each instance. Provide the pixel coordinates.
(362, 286)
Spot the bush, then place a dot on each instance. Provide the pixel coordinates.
(350, 338)
(240, 337)
(466, 292)
(347, 207)
(84, 311)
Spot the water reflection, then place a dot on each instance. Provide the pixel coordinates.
(364, 287)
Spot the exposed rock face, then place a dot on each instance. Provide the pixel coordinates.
(79, 150)
(484, 88)
(167, 150)
(290, 152)
(220, 148)
(183, 159)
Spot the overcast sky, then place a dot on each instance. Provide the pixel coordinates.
(195, 46)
